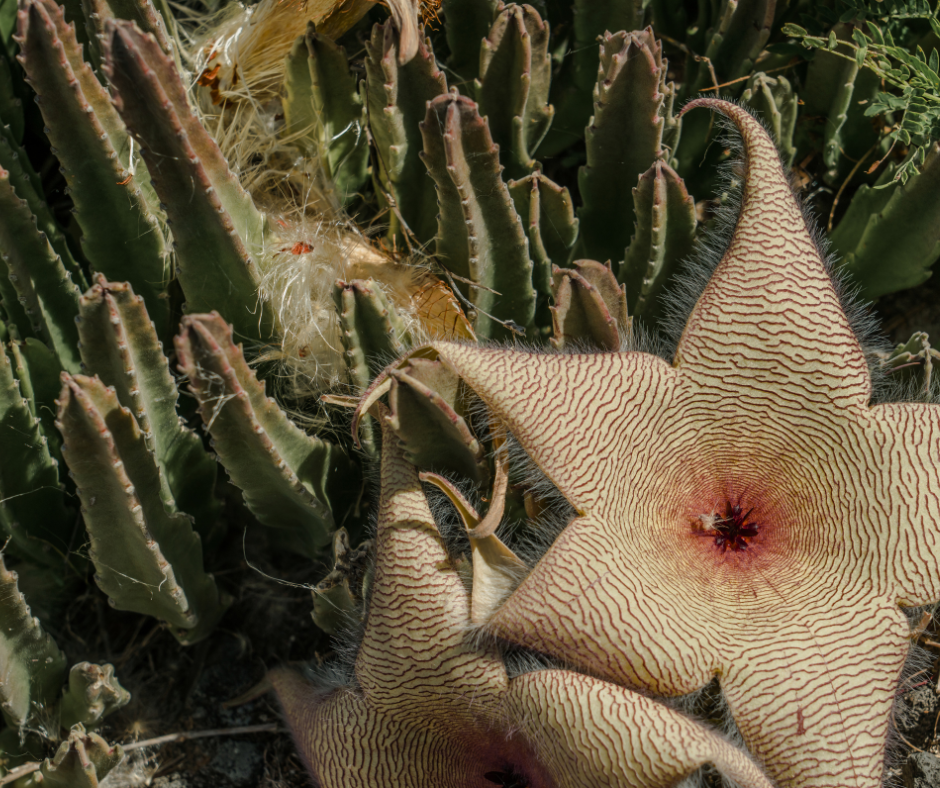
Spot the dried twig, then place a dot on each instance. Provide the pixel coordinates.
(266, 727)
(170, 738)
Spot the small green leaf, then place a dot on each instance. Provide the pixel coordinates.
(794, 31)
(935, 26)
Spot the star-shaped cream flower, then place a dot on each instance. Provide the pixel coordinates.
(743, 512)
(433, 710)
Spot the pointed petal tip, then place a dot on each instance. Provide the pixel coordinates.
(748, 125)
(773, 275)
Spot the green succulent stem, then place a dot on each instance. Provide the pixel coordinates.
(121, 235)
(218, 233)
(119, 344)
(33, 667)
(324, 112)
(147, 557)
(623, 140)
(515, 72)
(395, 97)
(32, 501)
(480, 236)
(890, 236)
(43, 299)
(663, 238)
(289, 480)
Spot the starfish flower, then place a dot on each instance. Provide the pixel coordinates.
(744, 512)
(433, 709)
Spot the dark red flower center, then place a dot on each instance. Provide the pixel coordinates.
(731, 528)
(506, 779)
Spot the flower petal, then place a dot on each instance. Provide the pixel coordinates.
(345, 743)
(593, 733)
(769, 321)
(413, 649)
(812, 697)
(579, 417)
(909, 498)
(596, 606)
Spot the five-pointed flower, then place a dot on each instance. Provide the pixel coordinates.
(744, 512)
(433, 709)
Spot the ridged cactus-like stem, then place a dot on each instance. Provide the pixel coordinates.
(11, 107)
(43, 299)
(143, 13)
(423, 414)
(288, 479)
(338, 598)
(372, 333)
(847, 71)
(32, 668)
(468, 21)
(480, 236)
(665, 231)
(571, 92)
(217, 231)
(547, 213)
(324, 110)
(371, 330)
(590, 306)
(26, 184)
(890, 237)
(120, 346)
(93, 692)
(731, 34)
(396, 97)
(82, 761)
(623, 140)
(54, 37)
(32, 503)
(512, 91)
(37, 369)
(121, 235)
(836, 93)
(147, 557)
